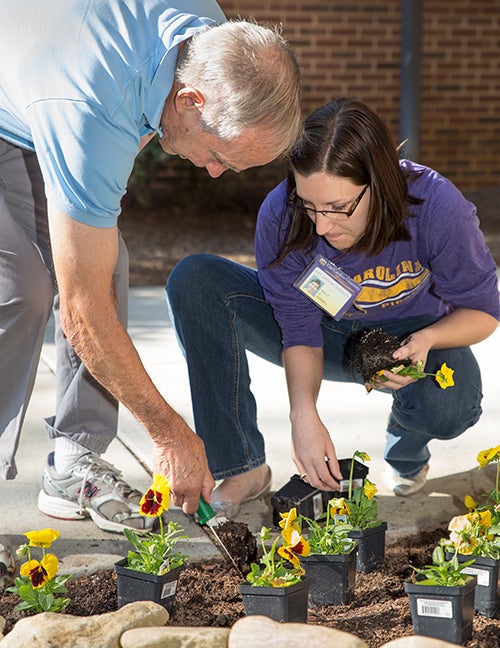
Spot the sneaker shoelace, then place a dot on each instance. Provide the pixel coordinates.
(106, 472)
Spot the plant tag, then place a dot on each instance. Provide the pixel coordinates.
(344, 484)
(317, 505)
(340, 519)
(483, 575)
(434, 608)
(327, 286)
(168, 589)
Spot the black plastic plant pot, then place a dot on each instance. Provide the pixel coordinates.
(287, 604)
(371, 547)
(442, 612)
(332, 578)
(310, 501)
(139, 586)
(487, 572)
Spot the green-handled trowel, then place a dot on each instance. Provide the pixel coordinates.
(208, 519)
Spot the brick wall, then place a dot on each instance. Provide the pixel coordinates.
(352, 47)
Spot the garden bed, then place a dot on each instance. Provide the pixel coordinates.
(208, 596)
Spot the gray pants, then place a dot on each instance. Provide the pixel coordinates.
(85, 411)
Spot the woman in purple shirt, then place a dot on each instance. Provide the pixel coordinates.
(399, 248)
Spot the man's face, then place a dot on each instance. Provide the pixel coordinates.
(183, 136)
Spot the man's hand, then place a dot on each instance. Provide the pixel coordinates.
(182, 459)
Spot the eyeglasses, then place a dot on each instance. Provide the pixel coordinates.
(332, 214)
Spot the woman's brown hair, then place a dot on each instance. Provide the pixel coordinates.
(347, 139)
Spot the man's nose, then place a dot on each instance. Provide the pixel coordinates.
(215, 169)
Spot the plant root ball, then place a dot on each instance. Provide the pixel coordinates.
(374, 353)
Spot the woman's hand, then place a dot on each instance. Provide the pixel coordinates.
(314, 453)
(312, 449)
(462, 327)
(415, 347)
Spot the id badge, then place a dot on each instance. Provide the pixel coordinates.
(328, 287)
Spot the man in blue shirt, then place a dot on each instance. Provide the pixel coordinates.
(81, 92)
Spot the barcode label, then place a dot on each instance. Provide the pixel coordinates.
(434, 608)
(168, 589)
(483, 575)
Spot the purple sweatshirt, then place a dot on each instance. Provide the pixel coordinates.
(446, 265)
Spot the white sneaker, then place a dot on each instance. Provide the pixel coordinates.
(7, 565)
(94, 487)
(404, 486)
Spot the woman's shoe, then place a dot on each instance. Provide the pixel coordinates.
(404, 486)
(230, 510)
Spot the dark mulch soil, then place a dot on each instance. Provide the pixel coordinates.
(208, 595)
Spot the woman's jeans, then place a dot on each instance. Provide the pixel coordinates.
(219, 311)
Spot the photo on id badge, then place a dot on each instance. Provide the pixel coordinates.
(328, 287)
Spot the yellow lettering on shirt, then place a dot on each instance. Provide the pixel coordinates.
(383, 287)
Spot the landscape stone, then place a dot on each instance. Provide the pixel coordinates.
(175, 636)
(53, 630)
(418, 642)
(258, 630)
(78, 565)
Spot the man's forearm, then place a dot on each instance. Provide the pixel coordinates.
(109, 354)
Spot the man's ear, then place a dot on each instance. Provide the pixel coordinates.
(189, 98)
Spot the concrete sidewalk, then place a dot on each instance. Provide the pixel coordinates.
(356, 419)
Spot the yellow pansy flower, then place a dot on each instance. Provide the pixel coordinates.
(370, 489)
(487, 456)
(289, 520)
(40, 572)
(157, 497)
(464, 546)
(42, 538)
(281, 581)
(444, 376)
(483, 518)
(295, 542)
(470, 502)
(288, 554)
(470, 532)
(338, 506)
(459, 523)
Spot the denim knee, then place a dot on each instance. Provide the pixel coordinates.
(192, 280)
(442, 417)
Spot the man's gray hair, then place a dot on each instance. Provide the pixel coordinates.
(249, 77)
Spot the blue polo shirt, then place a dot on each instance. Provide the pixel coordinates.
(82, 81)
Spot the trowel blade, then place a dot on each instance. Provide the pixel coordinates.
(212, 525)
(208, 519)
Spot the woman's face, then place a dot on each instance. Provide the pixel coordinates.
(321, 191)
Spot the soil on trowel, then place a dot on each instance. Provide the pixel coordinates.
(240, 544)
(374, 353)
(207, 595)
